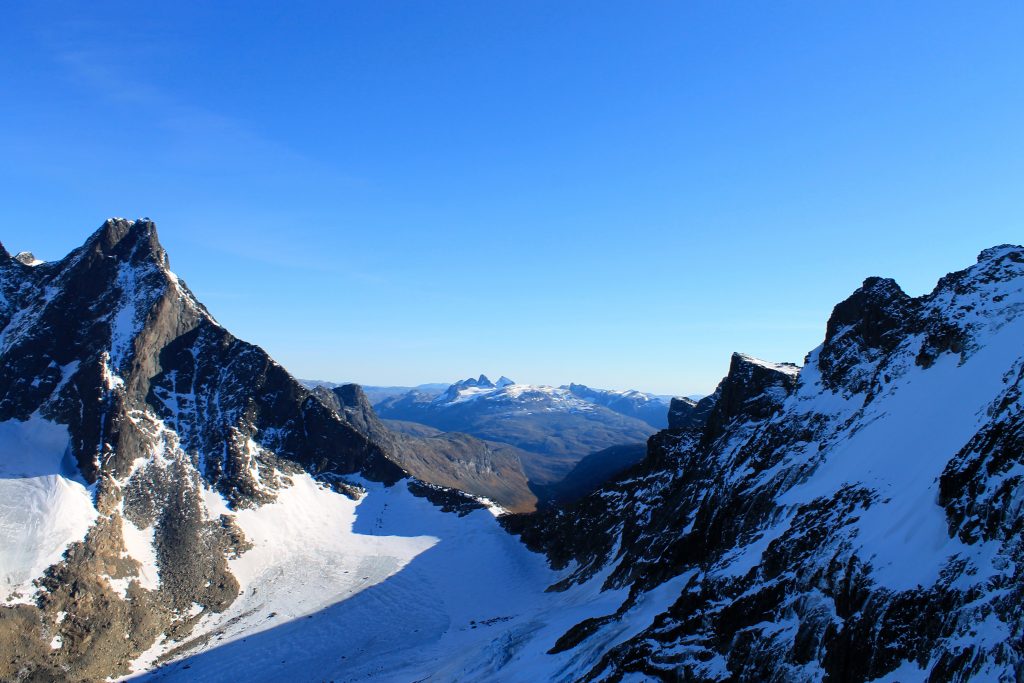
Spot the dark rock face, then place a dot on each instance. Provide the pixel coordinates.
(869, 324)
(680, 411)
(159, 402)
(677, 471)
(776, 506)
(752, 391)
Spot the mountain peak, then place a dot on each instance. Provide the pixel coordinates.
(740, 359)
(873, 310)
(27, 258)
(869, 322)
(753, 390)
(504, 381)
(999, 251)
(680, 412)
(131, 240)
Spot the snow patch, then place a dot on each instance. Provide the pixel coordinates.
(28, 258)
(787, 368)
(44, 504)
(138, 545)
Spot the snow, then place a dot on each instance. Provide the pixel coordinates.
(554, 398)
(788, 368)
(139, 546)
(635, 395)
(125, 322)
(746, 557)
(110, 379)
(899, 448)
(44, 505)
(311, 527)
(28, 258)
(391, 588)
(907, 672)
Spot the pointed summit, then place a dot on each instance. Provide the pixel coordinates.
(129, 240)
(1015, 251)
(27, 258)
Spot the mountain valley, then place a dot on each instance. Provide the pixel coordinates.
(175, 506)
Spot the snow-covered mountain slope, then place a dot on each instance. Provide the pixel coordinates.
(556, 427)
(505, 390)
(568, 398)
(650, 408)
(418, 595)
(125, 409)
(857, 520)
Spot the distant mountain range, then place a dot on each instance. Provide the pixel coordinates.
(651, 408)
(555, 427)
(549, 430)
(375, 394)
(482, 468)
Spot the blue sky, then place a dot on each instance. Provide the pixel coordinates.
(618, 194)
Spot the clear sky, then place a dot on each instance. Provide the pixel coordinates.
(618, 194)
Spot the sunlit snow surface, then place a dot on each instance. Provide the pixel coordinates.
(904, 439)
(391, 588)
(44, 504)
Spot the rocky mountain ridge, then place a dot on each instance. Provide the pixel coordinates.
(857, 520)
(123, 406)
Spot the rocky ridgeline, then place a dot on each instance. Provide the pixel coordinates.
(858, 520)
(159, 401)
